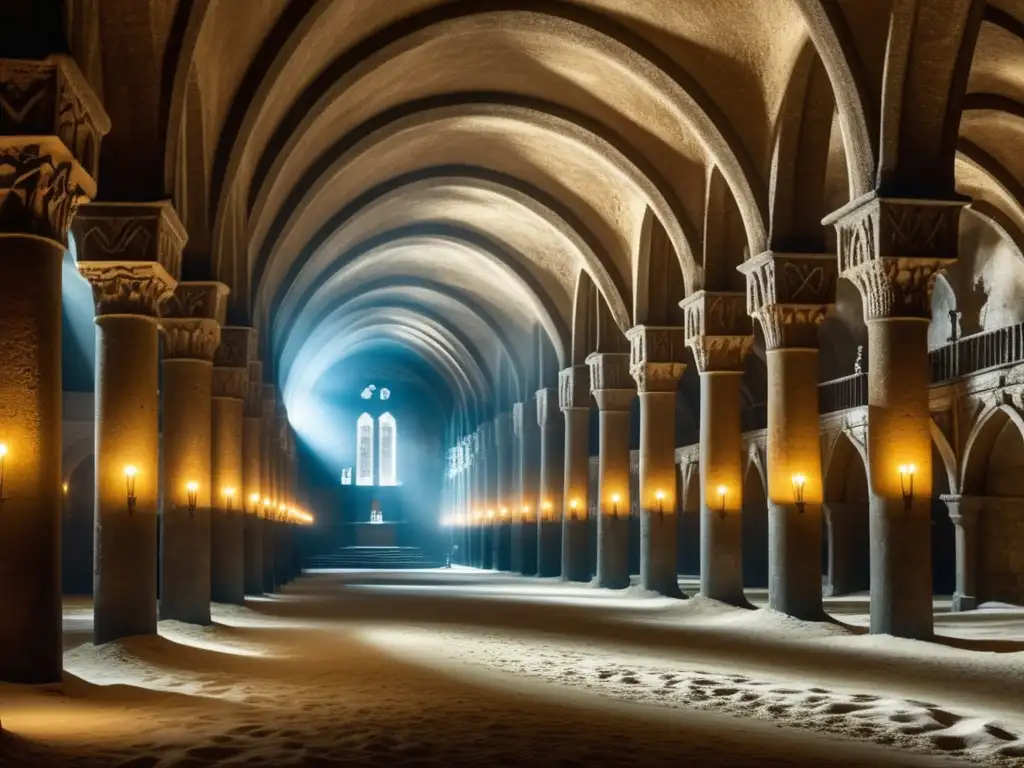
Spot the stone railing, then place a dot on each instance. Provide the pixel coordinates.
(978, 352)
(963, 357)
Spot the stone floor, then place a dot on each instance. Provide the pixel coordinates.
(457, 667)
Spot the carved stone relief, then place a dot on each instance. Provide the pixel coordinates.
(128, 289)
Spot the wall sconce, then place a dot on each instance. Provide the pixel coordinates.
(193, 496)
(254, 500)
(266, 508)
(799, 481)
(229, 496)
(660, 496)
(573, 506)
(526, 511)
(722, 491)
(504, 512)
(548, 509)
(907, 484)
(3, 461)
(615, 505)
(130, 472)
(490, 514)
(64, 487)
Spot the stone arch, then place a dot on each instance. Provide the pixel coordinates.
(689, 521)
(845, 512)
(432, 115)
(978, 448)
(796, 192)
(473, 243)
(658, 282)
(575, 25)
(529, 198)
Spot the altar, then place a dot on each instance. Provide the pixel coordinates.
(373, 533)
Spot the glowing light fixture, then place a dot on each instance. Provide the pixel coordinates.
(722, 491)
(192, 487)
(3, 461)
(907, 484)
(504, 512)
(573, 506)
(130, 472)
(660, 496)
(615, 505)
(266, 508)
(254, 501)
(799, 481)
(229, 498)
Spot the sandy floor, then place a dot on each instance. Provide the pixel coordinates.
(440, 668)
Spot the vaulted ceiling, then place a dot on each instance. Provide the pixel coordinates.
(437, 175)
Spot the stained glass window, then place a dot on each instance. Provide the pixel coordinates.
(364, 450)
(388, 450)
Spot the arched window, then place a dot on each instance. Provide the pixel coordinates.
(388, 450)
(364, 450)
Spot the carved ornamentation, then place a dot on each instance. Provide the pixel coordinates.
(892, 250)
(130, 232)
(789, 295)
(50, 97)
(41, 190)
(127, 288)
(205, 300)
(718, 330)
(656, 357)
(237, 347)
(574, 387)
(231, 382)
(610, 371)
(191, 339)
(548, 413)
(254, 397)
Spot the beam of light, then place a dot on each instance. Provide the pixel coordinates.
(79, 310)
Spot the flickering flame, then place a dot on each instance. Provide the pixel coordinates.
(192, 486)
(129, 471)
(659, 495)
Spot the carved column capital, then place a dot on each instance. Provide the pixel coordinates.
(610, 382)
(131, 253)
(893, 248)
(789, 294)
(128, 288)
(254, 395)
(963, 510)
(656, 356)
(231, 362)
(548, 413)
(574, 387)
(192, 317)
(190, 338)
(51, 124)
(718, 330)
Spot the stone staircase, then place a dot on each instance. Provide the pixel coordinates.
(372, 558)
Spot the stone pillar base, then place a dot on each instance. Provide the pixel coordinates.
(964, 603)
(613, 552)
(549, 549)
(658, 565)
(575, 550)
(528, 567)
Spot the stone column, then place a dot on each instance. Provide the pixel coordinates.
(230, 388)
(281, 516)
(718, 332)
(131, 254)
(485, 436)
(656, 363)
(269, 503)
(789, 295)
(252, 464)
(613, 389)
(48, 163)
(503, 492)
(191, 325)
(892, 249)
(529, 479)
(963, 511)
(574, 400)
(552, 480)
